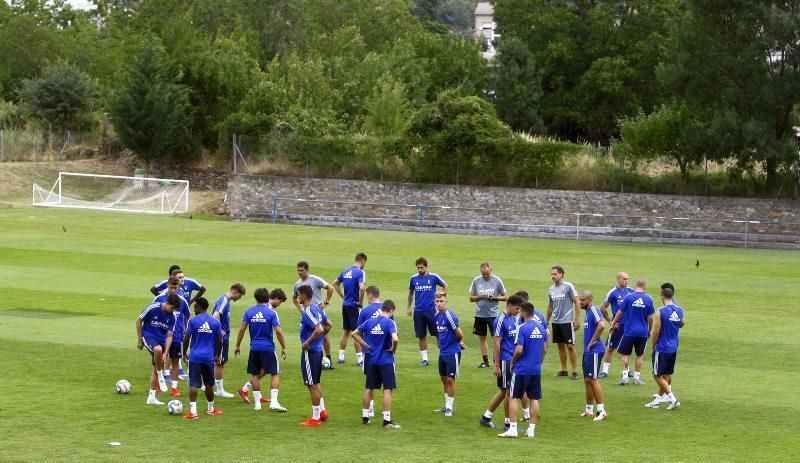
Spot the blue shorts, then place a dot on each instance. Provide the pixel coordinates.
(504, 380)
(349, 318)
(591, 365)
(630, 343)
(365, 365)
(448, 365)
(424, 321)
(150, 344)
(225, 343)
(614, 337)
(175, 349)
(526, 384)
(381, 376)
(260, 360)
(201, 374)
(664, 363)
(311, 367)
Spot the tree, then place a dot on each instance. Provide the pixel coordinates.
(517, 87)
(151, 114)
(60, 96)
(387, 111)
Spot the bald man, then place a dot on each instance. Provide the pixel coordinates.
(636, 314)
(593, 326)
(614, 298)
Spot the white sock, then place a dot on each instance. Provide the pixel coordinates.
(359, 357)
(315, 412)
(448, 402)
(152, 394)
(625, 373)
(160, 375)
(273, 396)
(671, 397)
(424, 354)
(372, 405)
(175, 382)
(606, 366)
(590, 408)
(387, 416)
(526, 413)
(445, 399)
(219, 385)
(246, 387)
(512, 426)
(636, 375)
(341, 354)
(365, 412)
(507, 420)
(322, 403)
(601, 408)
(180, 365)
(663, 398)
(257, 397)
(488, 415)
(211, 406)
(193, 407)
(532, 427)
(164, 373)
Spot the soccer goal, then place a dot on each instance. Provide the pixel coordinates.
(115, 193)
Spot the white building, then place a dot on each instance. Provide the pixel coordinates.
(485, 28)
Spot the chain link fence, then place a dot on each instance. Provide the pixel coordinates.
(43, 145)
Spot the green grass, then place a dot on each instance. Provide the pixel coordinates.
(67, 330)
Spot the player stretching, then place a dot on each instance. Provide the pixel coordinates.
(562, 297)
(421, 290)
(593, 326)
(313, 323)
(262, 319)
(317, 284)
(352, 278)
(154, 327)
(636, 314)
(614, 298)
(380, 340)
(666, 325)
(182, 316)
(486, 290)
(526, 365)
(204, 339)
(450, 347)
(504, 335)
(222, 312)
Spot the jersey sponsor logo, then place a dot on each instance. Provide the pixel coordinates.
(204, 328)
(638, 303)
(427, 287)
(376, 330)
(258, 318)
(441, 328)
(536, 334)
(674, 317)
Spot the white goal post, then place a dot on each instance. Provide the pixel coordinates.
(115, 193)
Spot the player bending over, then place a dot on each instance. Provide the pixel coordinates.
(154, 327)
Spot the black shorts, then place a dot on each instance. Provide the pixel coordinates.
(504, 380)
(424, 321)
(175, 350)
(201, 374)
(483, 325)
(260, 360)
(629, 344)
(664, 363)
(349, 318)
(563, 333)
(225, 343)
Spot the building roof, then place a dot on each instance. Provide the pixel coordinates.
(484, 8)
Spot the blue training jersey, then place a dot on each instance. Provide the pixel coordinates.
(615, 297)
(312, 316)
(189, 285)
(635, 308)
(369, 311)
(205, 330)
(377, 332)
(505, 328)
(671, 319)
(539, 317)
(424, 287)
(182, 314)
(446, 324)
(261, 321)
(156, 323)
(351, 278)
(590, 322)
(532, 336)
(223, 306)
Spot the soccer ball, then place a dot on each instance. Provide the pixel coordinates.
(326, 362)
(175, 407)
(123, 386)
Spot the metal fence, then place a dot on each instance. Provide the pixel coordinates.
(42, 145)
(747, 233)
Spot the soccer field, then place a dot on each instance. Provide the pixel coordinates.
(70, 297)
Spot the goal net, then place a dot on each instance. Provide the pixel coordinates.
(114, 193)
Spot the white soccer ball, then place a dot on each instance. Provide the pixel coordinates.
(123, 386)
(175, 407)
(326, 362)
